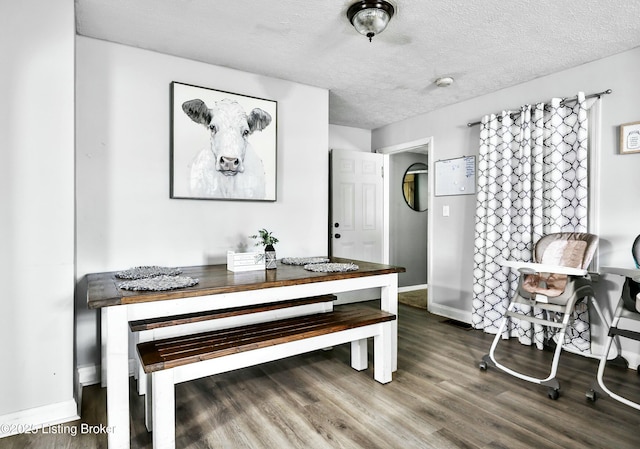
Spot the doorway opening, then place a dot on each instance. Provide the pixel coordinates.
(407, 169)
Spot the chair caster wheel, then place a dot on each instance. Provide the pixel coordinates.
(553, 393)
(483, 365)
(591, 395)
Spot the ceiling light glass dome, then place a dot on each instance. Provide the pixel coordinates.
(370, 17)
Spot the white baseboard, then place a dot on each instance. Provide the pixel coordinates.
(632, 358)
(34, 419)
(90, 374)
(449, 312)
(410, 288)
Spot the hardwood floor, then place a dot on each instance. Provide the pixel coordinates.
(438, 399)
(415, 298)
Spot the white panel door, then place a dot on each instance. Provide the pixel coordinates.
(357, 205)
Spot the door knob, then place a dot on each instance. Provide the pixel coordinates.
(337, 236)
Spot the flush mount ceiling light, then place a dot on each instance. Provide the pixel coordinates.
(370, 17)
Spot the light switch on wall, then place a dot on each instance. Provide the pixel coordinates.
(445, 211)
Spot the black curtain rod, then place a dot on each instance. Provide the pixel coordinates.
(565, 100)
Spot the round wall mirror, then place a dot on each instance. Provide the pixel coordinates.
(415, 187)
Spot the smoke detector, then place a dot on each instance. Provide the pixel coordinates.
(444, 81)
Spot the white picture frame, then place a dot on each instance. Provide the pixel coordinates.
(194, 171)
(630, 138)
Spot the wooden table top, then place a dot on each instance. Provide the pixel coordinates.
(103, 290)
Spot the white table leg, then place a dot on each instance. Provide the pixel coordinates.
(389, 303)
(103, 349)
(117, 358)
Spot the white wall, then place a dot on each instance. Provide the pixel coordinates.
(349, 138)
(37, 218)
(124, 214)
(451, 283)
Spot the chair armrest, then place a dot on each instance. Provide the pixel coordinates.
(542, 268)
(626, 272)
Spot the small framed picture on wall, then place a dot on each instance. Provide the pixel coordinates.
(630, 138)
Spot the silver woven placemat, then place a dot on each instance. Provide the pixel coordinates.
(159, 283)
(303, 260)
(331, 267)
(147, 272)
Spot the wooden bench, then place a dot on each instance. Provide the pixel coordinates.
(179, 359)
(190, 323)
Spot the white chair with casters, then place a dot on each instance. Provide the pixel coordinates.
(554, 283)
(628, 309)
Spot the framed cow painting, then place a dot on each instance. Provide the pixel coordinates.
(223, 145)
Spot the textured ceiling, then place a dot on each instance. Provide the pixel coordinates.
(485, 45)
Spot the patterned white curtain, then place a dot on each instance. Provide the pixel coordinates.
(532, 181)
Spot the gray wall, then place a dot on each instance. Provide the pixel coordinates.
(618, 214)
(408, 228)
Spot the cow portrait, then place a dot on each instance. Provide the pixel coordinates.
(229, 167)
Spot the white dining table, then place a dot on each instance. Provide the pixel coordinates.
(217, 289)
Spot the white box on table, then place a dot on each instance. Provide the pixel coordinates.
(245, 261)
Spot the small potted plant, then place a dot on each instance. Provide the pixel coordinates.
(266, 239)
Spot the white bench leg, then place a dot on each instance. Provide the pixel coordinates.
(359, 354)
(142, 377)
(382, 354)
(141, 337)
(163, 409)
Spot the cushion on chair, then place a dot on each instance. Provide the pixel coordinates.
(547, 284)
(566, 253)
(540, 248)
